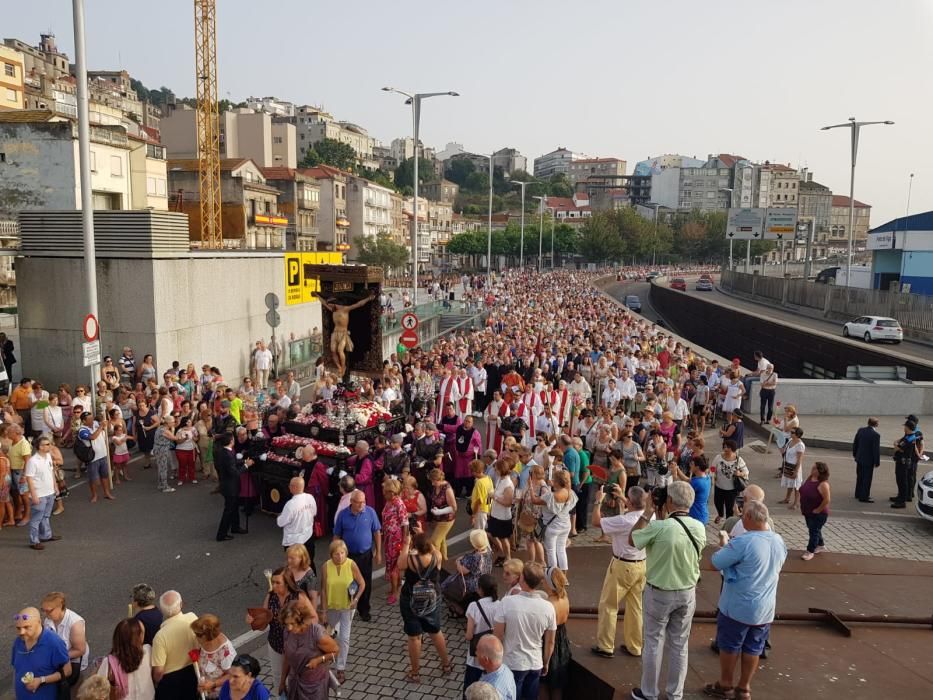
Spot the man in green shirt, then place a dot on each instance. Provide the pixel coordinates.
(673, 544)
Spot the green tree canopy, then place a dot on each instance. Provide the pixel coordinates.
(458, 170)
(405, 173)
(382, 251)
(330, 152)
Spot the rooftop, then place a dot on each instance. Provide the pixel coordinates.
(598, 160)
(729, 160)
(29, 116)
(191, 164)
(840, 200)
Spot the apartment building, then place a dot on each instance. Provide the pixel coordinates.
(435, 228)
(440, 191)
(333, 223)
(594, 169)
(557, 161)
(510, 161)
(271, 105)
(250, 216)
(313, 124)
(369, 208)
(778, 185)
(113, 88)
(12, 79)
(44, 59)
(299, 202)
(839, 224)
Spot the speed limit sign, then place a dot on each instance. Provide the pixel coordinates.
(409, 321)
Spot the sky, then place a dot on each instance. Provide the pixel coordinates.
(602, 77)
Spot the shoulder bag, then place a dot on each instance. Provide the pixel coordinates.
(693, 541)
(474, 641)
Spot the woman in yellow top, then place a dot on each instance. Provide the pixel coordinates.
(481, 497)
(339, 574)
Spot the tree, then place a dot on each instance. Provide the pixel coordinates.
(600, 240)
(310, 158)
(559, 186)
(405, 173)
(458, 170)
(476, 182)
(382, 251)
(379, 176)
(335, 154)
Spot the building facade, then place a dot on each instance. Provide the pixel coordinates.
(585, 169)
(299, 202)
(440, 191)
(557, 161)
(12, 79)
(333, 224)
(44, 59)
(510, 161)
(313, 124)
(369, 208)
(839, 224)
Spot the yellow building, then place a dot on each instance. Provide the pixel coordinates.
(11, 79)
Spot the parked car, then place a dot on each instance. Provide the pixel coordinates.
(704, 284)
(633, 302)
(925, 496)
(679, 283)
(871, 328)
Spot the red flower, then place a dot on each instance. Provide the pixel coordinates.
(194, 655)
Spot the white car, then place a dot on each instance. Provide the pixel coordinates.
(925, 496)
(871, 328)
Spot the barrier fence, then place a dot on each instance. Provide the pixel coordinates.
(913, 311)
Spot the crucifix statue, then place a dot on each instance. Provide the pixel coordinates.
(340, 341)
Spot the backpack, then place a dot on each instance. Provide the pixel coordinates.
(424, 591)
(84, 451)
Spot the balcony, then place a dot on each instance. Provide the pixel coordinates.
(273, 220)
(155, 151)
(108, 137)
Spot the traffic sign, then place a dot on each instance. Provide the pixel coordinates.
(745, 224)
(273, 318)
(409, 321)
(272, 301)
(780, 222)
(91, 328)
(409, 339)
(91, 353)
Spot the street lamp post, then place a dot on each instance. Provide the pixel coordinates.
(654, 245)
(552, 211)
(489, 233)
(414, 99)
(541, 200)
(854, 128)
(521, 251)
(730, 191)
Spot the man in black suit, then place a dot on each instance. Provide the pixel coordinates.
(866, 449)
(228, 474)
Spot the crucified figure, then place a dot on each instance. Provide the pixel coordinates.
(340, 341)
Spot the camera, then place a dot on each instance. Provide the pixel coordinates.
(663, 469)
(659, 496)
(412, 522)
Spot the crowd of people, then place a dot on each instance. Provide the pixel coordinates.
(562, 412)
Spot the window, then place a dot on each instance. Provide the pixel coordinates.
(9, 70)
(276, 139)
(12, 95)
(150, 185)
(161, 187)
(116, 166)
(2, 157)
(93, 162)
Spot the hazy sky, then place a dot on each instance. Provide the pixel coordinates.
(608, 78)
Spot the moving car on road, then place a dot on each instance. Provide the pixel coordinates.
(633, 302)
(704, 284)
(679, 283)
(651, 275)
(871, 328)
(925, 496)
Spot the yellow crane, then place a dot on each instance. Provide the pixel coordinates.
(205, 58)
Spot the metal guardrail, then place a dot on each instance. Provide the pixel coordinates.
(913, 311)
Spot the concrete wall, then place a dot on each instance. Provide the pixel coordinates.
(39, 172)
(850, 397)
(179, 133)
(284, 153)
(199, 309)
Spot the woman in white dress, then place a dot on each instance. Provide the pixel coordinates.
(792, 476)
(735, 392)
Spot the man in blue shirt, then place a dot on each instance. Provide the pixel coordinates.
(489, 654)
(358, 526)
(39, 658)
(571, 460)
(750, 566)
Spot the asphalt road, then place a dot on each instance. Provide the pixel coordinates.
(908, 349)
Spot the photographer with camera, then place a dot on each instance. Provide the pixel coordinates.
(673, 545)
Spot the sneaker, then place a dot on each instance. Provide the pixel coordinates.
(806, 556)
(194, 481)
(602, 652)
(180, 483)
(638, 695)
(168, 489)
(819, 550)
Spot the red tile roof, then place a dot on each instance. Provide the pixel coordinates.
(278, 173)
(729, 160)
(560, 202)
(777, 166)
(840, 200)
(323, 172)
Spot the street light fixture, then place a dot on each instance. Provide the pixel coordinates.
(414, 99)
(730, 190)
(521, 250)
(854, 127)
(543, 201)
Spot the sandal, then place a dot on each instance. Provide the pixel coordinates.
(717, 691)
(447, 669)
(412, 677)
(743, 694)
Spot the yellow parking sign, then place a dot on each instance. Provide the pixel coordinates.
(293, 279)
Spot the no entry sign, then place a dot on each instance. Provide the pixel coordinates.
(409, 339)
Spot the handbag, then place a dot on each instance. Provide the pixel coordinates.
(739, 483)
(526, 520)
(541, 526)
(474, 641)
(789, 470)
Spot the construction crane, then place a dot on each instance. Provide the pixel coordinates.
(205, 58)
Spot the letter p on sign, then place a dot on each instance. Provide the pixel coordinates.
(293, 292)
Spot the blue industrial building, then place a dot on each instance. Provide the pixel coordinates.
(902, 251)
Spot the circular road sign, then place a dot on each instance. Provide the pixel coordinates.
(273, 318)
(409, 339)
(272, 301)
(409, 321)
(91, 328)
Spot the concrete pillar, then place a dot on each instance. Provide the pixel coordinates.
(784, 291)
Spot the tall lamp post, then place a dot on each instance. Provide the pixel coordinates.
(854, 128)
(542, 201)
(521, 251)
(654, 245)
(552, 211)
(910, 186)
(414, 99)
(730, 190)
(489, 232)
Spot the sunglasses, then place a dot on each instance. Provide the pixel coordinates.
(243, 662)
(24, 616)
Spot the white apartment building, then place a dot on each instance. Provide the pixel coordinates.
(314, 124)
(778, 186)
(369, 208)
(557, 161)
(271, 105)
(402, 149)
